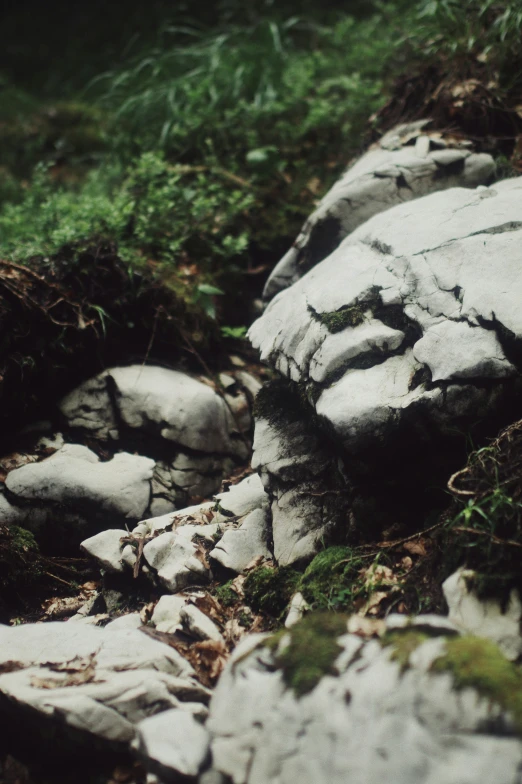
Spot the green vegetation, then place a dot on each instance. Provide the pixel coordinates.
(403, 643)
(337, 579)
(270, 590)
(212, 139)
(484, 526)
(338, 320)
(226, 594)
(19, 559)
(478, 663)
(308, 650)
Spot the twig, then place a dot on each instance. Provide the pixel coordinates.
(495, 539)
(48, 574)
(389, 545)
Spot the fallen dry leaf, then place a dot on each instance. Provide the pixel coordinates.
(415, 547)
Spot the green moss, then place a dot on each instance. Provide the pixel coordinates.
(20, 564)
(338, 320)
(403, 643)
(332, 580)
(311, 650)
(270, 590)
(479, 664)
(226, 595)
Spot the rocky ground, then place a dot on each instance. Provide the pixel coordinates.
(300, 569)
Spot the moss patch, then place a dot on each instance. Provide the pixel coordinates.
(19, 558)
(270, 590)
(226, 595)
(337, 320)
(478, 663)
(311, 651)
(403, 643)
(332, 579)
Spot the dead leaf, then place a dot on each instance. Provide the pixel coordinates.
(78, 671)
(208, 658)
(146, 612)
(415, 547)
(11, 666)
(254, 563)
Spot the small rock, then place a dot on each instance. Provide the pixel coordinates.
(200, 624)
(298, 607)
(242, 498)
(166, 616)
(239, 546)
(106, 547)
(484, 617)
(173, 744)
(173, 557)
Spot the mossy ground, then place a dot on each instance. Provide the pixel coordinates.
(478, 663)
(311, 650)
(270, 590)
(403, 644)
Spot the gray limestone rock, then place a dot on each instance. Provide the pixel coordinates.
(76, 478)
(106, 548)
(393, 171)
(239, 546)
(242, 498)
(373, 720)
(304, 480)
(173, 744)
(486, 617)
(101, 682)
(166, 403)
(415, 311)
(199, 625)
(173, 557)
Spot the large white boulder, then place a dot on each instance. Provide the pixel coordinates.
(416, 311)
(102, 682)
(385, 713)
(166, 403)
(408, 162)
(76, 478)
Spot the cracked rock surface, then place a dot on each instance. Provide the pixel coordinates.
(373, 719)
(99, 682)
(416, 311)
(408, 162)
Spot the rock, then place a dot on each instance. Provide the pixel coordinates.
(170, 404)
(167, 613)
(485, 618)
(199, 624)
(74, 477)
(242, 498)
(298, 607)
(173, 744)
(445, 269)
(129, 621)
(239, 546)
(174, 558)
(389, 711)
(99, 682)
(390, 173)
(106, 548)
(408, 332)
(301, 474)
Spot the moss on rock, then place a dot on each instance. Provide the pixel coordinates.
(403, 644)
(338, 320)
(269, 590)
(479, 664)
(332, 579)
(308, 650)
